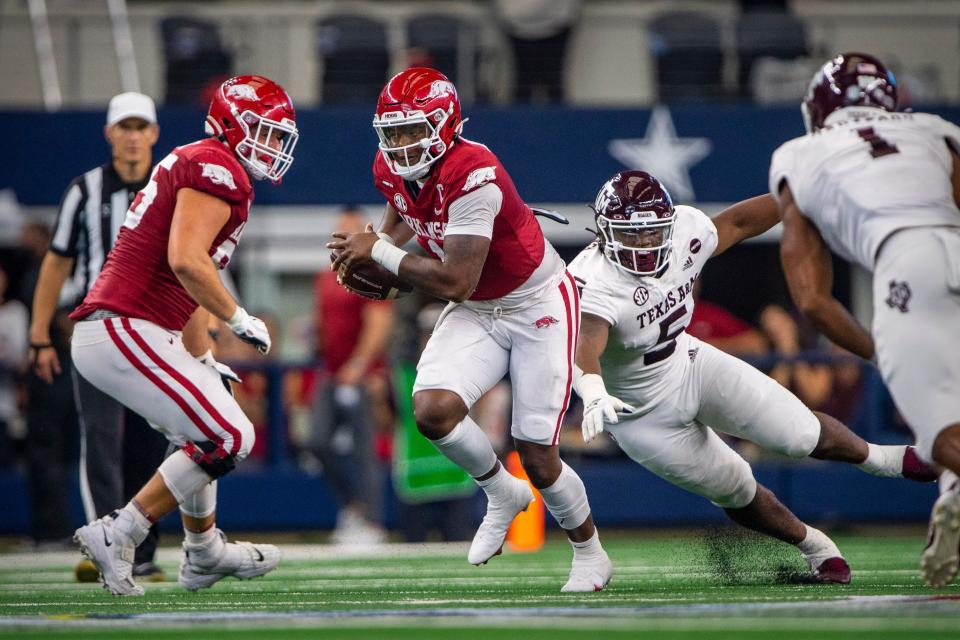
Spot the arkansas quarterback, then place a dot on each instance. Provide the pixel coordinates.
(141, 332)
(637, 280)
(513, 308)
(882, 188)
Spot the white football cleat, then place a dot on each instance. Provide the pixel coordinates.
(586, 577)
(112, 553)
(940, 559)
(488, 541)
(243, 560)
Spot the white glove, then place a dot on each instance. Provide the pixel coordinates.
(226, 373)
(599, 407)
(250, 329)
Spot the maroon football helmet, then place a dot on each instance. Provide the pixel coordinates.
(850, 79)
(251, 114)
(634, 215)
(417, 120)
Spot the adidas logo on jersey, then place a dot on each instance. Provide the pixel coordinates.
(688, 263)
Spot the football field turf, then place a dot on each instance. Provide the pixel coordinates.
(696, 584)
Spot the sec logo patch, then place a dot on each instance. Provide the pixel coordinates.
(400, 202)
(640, 296)
(695, 245)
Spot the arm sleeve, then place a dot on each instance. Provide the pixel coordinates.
(473, 213)
(69, 220)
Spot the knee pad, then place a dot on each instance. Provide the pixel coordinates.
(183, 476)
(566, 499)
(736, 489)
(202, 503)
(211, 458)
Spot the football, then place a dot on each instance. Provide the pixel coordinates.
(373, 281)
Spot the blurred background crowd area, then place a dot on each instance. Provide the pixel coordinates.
(580, 52)
(566, 92)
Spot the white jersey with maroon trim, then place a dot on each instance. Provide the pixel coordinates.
(868, 173)
(646, 314)
(137, 281)
(517, 244)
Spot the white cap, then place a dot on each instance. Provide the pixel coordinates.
(131, 105)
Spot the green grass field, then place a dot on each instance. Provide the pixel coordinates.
(691, 585)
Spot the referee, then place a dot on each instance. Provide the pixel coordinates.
(118, 449)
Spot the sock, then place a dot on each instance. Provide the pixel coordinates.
(566, 499)
(132, 522)
(885, 461)
(468, 448)
(589, 549)
(497, 483)
(817, 543)
(202, 538)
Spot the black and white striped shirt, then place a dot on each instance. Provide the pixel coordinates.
(91, 212)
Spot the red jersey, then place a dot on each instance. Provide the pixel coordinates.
(339, 315)
(136, 280)
(517, 245)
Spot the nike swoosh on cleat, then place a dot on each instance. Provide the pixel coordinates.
(106, 541)
(259, 555)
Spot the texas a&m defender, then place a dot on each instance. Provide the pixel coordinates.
(881, 188)
(636, 281)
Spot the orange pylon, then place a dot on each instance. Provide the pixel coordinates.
(526, 531)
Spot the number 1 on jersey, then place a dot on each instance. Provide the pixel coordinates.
(879, 146)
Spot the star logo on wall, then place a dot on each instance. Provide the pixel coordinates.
(663, 154)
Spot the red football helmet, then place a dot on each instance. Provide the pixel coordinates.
(254, 116)
(850, 79)
(417, 120)
(635, 217)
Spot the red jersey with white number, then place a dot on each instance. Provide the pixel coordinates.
(137, 281)
(517, 246)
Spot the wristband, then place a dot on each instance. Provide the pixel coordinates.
(237, 317)
(590, 387)
(207, 358)
(41, 345)
(387, 255)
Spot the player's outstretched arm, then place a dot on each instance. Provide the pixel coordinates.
(745, 219)
(809, 272)
(599, 407)
(591, 342)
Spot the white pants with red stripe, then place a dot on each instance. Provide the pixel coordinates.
(475, 344)
(147, 368)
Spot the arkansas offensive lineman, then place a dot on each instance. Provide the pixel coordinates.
(637, 281)
(882, 189)
(513, 308)
(141, 332)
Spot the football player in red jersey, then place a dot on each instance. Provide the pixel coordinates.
(141, 332)
(513, 309)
